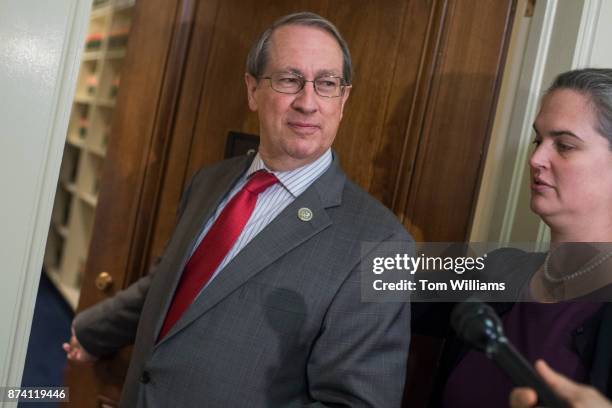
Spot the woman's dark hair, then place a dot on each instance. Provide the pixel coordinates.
(596, 84)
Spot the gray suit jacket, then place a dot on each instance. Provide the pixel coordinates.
(283, 325)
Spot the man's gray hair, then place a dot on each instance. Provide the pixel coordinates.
(596, 84)
(258, 55)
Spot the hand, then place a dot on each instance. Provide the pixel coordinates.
(76, 352)
(578, 396)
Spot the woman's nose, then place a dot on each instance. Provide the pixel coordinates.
(539, 157)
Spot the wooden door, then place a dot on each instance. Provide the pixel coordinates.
(414, 131)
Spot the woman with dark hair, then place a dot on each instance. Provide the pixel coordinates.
(571, 191)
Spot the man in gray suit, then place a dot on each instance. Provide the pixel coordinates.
(279, 321)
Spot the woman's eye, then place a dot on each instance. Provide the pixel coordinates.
(563, 147)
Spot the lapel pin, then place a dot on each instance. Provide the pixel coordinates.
(305, 214)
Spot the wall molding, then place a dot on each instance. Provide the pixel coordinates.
(534, 65)
(586, 34)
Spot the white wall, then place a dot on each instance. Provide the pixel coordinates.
(40, 46)
(601, 53)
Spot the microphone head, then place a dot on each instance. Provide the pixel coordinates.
(477, 324)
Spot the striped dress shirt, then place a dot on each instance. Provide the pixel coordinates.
(270, 203)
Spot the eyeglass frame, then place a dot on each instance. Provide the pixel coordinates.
(343, 84)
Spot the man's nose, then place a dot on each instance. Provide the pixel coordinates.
(306, 100)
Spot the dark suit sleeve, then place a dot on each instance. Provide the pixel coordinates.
(111, 324)
(359, 359)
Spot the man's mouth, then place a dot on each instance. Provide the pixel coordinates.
(303, 127)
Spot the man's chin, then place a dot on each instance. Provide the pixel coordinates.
(304, 153)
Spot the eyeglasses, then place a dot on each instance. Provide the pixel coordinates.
(327, 86)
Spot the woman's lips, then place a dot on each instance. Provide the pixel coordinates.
(539, 186)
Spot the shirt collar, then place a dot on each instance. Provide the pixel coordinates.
(297, 180)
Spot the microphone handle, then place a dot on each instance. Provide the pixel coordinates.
(523, 374)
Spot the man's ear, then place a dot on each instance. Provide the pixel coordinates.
(347, 91)
(251, 84)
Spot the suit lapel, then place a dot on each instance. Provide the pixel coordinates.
(206, 200)
(282, 235)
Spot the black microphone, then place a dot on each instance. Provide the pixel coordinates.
(479, 326)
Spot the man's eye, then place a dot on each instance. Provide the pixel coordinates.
(288, 81)
(536, 142)
(326, 83)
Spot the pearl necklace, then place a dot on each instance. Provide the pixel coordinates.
(588, 267)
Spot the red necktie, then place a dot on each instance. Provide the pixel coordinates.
(215, 246)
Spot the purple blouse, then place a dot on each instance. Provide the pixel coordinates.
(537, 330)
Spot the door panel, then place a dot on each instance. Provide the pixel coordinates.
(438, 200)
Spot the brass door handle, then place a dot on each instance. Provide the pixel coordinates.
(104, 281)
